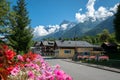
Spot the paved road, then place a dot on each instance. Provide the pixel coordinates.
(81, 72)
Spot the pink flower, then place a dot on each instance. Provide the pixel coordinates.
(57, 66)
(51, 77)
(31, 75)
(15, 71)
(103, 58)
(41, 77)
(28, 60)
(43, 66)
(67, 77)
(31, 65)
(19, 57)
(36, 67)
(59, 74)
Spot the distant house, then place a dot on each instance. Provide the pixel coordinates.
(47, 48)
(109, 47)
(97, 50)
(36, 48)
(66, 49)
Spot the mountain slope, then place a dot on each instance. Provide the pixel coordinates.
(69, 29)
(107, 24)
(79, 29)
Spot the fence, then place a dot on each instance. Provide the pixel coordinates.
(109, 63)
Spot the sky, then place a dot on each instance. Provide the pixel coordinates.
(52, 12)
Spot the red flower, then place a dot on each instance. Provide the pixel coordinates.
(30, 56)
(1, 65)
(9, 54)
(20, 64)
(9, 69)
(5, 47)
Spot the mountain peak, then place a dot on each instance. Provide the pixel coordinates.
(64, 22)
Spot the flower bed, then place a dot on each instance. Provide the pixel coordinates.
(92, 58)
(104, 58)
(27, 67)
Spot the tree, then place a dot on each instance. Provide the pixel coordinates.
(21, 33)
(112, 38)
(4, 11)
(4, 14)
(104, 35)
(117, 24)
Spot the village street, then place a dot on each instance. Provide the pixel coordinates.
(81, 72)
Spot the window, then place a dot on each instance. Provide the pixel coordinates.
(86, 53)
(67, 51)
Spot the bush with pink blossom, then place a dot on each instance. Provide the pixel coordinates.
(38, 69)
(29, 66)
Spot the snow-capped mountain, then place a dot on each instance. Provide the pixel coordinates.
(69, 29)
(53, 31)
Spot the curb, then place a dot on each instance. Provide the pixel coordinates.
(96, 66)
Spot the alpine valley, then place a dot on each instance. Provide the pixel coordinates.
(70, 29)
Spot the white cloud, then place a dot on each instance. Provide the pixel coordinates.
(90, 7)
(80, 17)
(41, 31)
(114, 9)
(89, 14)
(53, 28)
(80, 9)
(100, 14)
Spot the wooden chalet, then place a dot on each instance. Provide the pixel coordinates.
(109, 47)
(66, 49)
(47, 48)
(36, 48)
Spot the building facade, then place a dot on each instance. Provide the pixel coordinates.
(67, 49)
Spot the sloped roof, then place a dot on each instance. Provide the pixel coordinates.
(109, 44)
(73, 44)
(37, 44)
(48, 43)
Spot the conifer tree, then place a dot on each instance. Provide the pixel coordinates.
(4, 10)
(4, 14)
(21, 33)
(117, 24)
